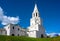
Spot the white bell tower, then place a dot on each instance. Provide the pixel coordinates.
(35, 29)
(35, 17)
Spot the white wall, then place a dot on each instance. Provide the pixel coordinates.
(15, 31)
(7, 28)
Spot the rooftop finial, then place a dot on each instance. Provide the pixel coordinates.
(35, 8)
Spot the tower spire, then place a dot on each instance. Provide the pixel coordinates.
(35, 11)
(35, 8)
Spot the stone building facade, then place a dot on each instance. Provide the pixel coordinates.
(12, 30)
(35, 29)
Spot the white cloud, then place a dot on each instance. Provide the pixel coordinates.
(59, 34)
(53, 34)
(7, 19)
(1, 13)
(47, 34)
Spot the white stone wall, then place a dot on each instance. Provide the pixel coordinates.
(2, 31)
(36, 31)
(17, 31)
(32, 34)
(35, 20)
(7, 28)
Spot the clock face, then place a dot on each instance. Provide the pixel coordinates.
(37, 21)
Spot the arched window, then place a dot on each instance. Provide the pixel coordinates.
(18, 34)
(18, 29)
(36, 14)
(12, 34)
(13, 27)
(42, 36)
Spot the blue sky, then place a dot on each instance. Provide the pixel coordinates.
(22, 9)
